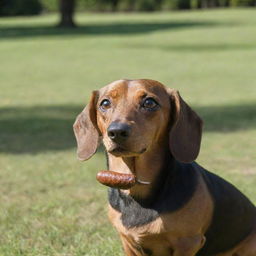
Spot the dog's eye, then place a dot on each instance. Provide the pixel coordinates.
(150, 104)
(105, 104)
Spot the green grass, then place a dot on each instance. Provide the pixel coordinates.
(50, 203)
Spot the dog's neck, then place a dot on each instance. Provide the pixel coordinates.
(146, 167)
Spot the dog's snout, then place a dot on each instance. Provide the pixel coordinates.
(118, 132)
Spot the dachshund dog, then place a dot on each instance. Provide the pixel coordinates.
(176, 207)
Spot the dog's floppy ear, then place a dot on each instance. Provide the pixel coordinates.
(86, 131)
(186, 129)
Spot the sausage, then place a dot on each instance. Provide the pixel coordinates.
(116, 179)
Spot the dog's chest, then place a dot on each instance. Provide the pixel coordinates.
(149, 239)
(132, 214)
(174, 195)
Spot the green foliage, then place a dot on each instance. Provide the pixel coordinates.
(27, 7)
(127, 5)
(145, 5)
(81, 5)
(178, 4)
(50, 5)
(242, 3)
(20, 7)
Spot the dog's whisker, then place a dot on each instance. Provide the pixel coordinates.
(143, 182)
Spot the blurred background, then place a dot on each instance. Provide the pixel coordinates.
(54, 53)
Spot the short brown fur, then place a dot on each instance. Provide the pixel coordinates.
(178, 233)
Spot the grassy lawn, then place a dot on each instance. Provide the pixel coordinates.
(50, 203)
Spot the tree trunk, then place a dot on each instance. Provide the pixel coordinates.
(114, 4)
(67, 8)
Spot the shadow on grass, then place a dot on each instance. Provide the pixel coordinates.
(193, 47)
(23, 31)
(48, 128)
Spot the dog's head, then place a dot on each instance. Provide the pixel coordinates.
(131, 116)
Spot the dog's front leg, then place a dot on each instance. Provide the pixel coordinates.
(130, 249)
(188, 246)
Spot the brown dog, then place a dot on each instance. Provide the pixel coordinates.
(180, 209)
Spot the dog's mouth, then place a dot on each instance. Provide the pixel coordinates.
(120, 151)
(120, 180)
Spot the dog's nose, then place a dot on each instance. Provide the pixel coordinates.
(118, 132)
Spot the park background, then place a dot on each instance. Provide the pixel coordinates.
(50, 203)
